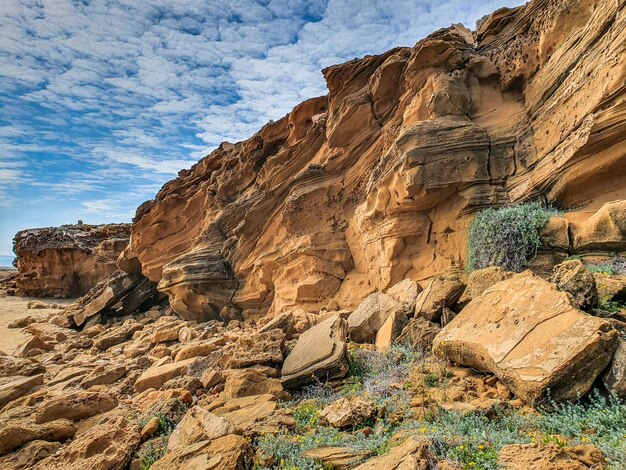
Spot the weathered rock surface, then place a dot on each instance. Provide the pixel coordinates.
(419, 333)
(540, 457)
(377, 181)
(321, 352)
(339, 458)
(442, 291)
(615, 376)
(371, 315)
(573, 277)
(69, 260)
(199, 425)
(528, 334)
(410, 454)
(347, 412)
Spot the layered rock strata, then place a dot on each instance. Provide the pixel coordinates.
(378, 180)
(69, 260)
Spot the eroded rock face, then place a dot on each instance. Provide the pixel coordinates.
(529, 335)
(69, 260)
(377, 181)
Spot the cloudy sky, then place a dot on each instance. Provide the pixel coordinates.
(103, 101)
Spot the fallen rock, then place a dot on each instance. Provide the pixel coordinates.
(75, 406)
(31, 345)
(247, 382)
(615, 376)
(10, 366)
(27, 456)
(230, 452)
(252, 414)
(411, 454)
(419, 333)
(199, 425)
(406, 292)
(151, 427)
(482, 279)
(117, 335)
(17, 387)
(15, 433)
(442, 291)
(104, 375)
(320, 353)
(572, 276)
(605, 230)
(537, 340)
(251, 349)
(203, 348)
(347, 412)
(371, 315)
(391, 329)
(107, 445)
(155, 377)
(545, 456)
(283, 321)
(337, 458)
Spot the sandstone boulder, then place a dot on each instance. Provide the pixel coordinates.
(604, 230)
(117, 335)
(75, 406)
(246, 382)
(283, 321)
(13, 366)
(199, 425)
(544, 456)
(27, 456)
(338, 458)
(230, 452)
(481, 279)
(411, 454)
(348, 412)
(17, 387)
(442, 291)
(370, 316)
(320, 353)
(107, 445)
(391, 330)
(155, 377)
(537, 341)
(419, 333)
(264, 348)
(615, 376)
(406, 292)
(15, 433)
(573, 277)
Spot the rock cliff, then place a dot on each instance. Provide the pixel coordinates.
(378, 180)
(69, 260)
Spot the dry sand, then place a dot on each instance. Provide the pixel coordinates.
(16, 308)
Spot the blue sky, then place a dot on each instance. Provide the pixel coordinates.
(102, 102)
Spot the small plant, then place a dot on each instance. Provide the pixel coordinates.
(152, 451)
(474, 456)
(506, 237)
(307, 414)
(431, 380)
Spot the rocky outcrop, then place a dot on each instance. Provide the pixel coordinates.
(377, 181)
(532, 338)
(69, 260)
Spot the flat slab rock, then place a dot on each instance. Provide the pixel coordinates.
(528, 334)
(320, 352)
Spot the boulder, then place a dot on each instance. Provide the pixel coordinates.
(537, 341)
(10, 366)
(320, 353)
(15, 433)
(391, 329)
(231, 452)
(27, 456)
(406, 292)
(75, 406)
(251, 414)
(28, 348)
(285, 322)
(203, 348)
(419, 333)
(572, 276)
(544, 456)
(615, 376)
(264, 348)
(371, 315)
(482, 279)
(199, 425)
(117, 335)
(348, 412)
(155, 377)
(411, 454)
(246, 382)
(605, 230)
(337, 458)
(107, 445)
(442, 291)
(104, 374)
(18, 387)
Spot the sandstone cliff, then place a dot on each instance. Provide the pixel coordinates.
(69, 260)
(378, 181)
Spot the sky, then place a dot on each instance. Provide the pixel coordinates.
(104, 101)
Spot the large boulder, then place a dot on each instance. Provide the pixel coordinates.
(572, 276)
(231, 452)
(442, 291)
(528, 334)
(419, 333)
(320, 353)
(107, 445)
(406, 292)
(549, 456)
(482, 279)
(17, 387)
(199, 425)
(14, 433)
(411, 454)
(156, 376)
(75, 406)
(605, 230)
(371, 315)
(615, 376)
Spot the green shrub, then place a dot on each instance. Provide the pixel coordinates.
(506, 237)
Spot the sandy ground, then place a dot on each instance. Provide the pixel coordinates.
(15, 308)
